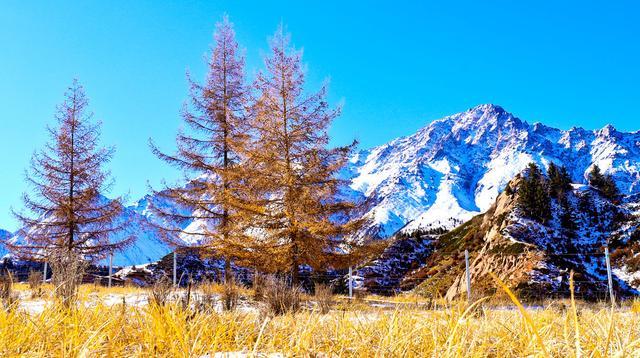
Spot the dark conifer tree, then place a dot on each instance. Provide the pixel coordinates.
(533, 195)
(603, 182)
(559, 181)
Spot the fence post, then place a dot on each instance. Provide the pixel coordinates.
(175, 267)
(44, 276)
(350, 282)
(609, 278)
(468, 273)
(110, 268)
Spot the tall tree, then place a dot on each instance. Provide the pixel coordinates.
(603, 182)
(533, 195)
(305, 221)
(210, 154)
(67, 220)
(559, 181)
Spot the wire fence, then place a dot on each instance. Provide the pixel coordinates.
(598, 282)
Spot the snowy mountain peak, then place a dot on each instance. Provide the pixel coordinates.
(455, 167)
(484, 114)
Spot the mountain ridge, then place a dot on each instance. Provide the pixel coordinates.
(454, 167)
(449, 171)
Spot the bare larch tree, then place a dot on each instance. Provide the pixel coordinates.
(209, 153)
(67, 221)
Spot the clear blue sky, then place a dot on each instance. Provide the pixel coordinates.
(396, 65)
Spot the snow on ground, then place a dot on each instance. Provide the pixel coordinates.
(135, 298)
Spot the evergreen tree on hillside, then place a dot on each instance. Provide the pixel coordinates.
(305, 221)
(559, 181)
(559, 189)
(533, 195)
(603, 182)
(567, 217)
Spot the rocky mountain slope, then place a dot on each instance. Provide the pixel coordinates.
(533, 257)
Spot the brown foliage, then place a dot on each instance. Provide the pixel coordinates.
(303, 220)
(209, 153)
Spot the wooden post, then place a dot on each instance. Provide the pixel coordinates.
(350, 282)
(110, 268)
(609, 278)
(175, 267)
(468, 273)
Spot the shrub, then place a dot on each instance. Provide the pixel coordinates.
(324, 298)
(205, 299)
(230, 296)
(160, 291)
(280, 297)
(35, 284)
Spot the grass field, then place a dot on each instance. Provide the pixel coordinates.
(105, 326)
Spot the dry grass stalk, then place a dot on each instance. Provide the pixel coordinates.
(161, 291)
(186, 298)
(35, 284)
(324, 298)
(7, 297)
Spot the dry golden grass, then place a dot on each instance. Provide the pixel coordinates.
(361, 330)
(171, 331)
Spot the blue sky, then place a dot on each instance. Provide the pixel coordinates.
(395, 65)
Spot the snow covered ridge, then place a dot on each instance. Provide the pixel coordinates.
(455, 167)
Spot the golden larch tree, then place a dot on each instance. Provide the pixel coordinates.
(209, 154)
(67, 221)
(305, 220)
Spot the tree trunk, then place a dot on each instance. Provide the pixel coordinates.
(228, 273)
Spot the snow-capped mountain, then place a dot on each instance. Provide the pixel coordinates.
(444, 174)
(455, 167)
(4, 235)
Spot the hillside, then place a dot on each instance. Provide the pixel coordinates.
(534, 257)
